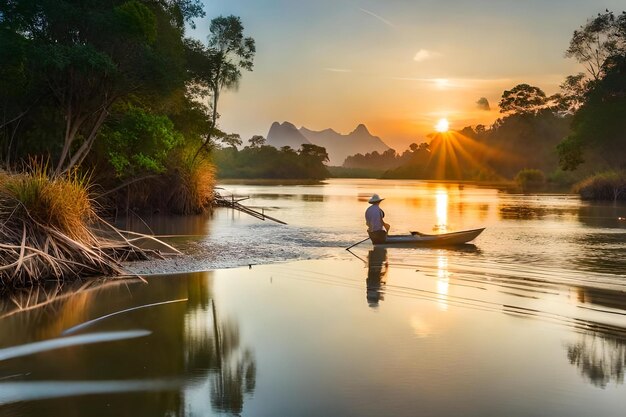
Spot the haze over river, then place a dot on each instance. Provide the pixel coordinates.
(530, 320)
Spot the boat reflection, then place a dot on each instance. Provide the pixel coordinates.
(377, 266)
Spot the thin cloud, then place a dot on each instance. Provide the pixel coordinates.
(441, 83)
(459, 82)
(337, 69)
(382, 19)
(424, 55)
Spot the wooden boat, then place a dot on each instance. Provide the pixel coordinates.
(422, 239)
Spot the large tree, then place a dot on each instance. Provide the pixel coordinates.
(599, 127)
(526, 99)
(597, 40)
(88, 54)
(217, 66)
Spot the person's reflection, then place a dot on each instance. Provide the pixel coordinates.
(376, 271)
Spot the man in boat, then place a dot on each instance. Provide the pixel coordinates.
(376, 226)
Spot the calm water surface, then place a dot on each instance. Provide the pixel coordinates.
(528, 321)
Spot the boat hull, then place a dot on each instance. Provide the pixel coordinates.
(444, 239)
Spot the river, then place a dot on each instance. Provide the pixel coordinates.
(281, 320)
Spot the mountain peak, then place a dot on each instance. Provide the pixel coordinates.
(361, 129)
(338, 146)
(285, 134)
(289, 125)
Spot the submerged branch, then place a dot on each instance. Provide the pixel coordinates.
(220, 201)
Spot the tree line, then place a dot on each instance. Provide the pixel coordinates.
(569, 135)
(259, 160)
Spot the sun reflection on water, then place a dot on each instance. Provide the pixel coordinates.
(443, 281)
(441, 207)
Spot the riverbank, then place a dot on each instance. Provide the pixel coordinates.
(50, 230)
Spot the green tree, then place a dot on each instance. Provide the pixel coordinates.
(573, 92)
(313, 158)
(263, 161)
(314, 152)
(599, 125)
(87, 55)
(218, 66)
(593, 43)
(233, 140)
(138, 142)
(413, 163)
(257, 141)
(523, 99)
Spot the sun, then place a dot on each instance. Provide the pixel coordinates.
(442, 126)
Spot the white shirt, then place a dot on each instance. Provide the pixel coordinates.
(374, 218)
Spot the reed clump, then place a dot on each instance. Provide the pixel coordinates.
(49, 230)
(607, 186)
(191, 185)
(186, 187)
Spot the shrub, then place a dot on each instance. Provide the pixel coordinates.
(610, 186)
(185, 188)
(564, 178)
(530, 179)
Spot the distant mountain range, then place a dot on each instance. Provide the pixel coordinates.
(338, 146)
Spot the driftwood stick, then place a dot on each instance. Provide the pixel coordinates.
(233, 203)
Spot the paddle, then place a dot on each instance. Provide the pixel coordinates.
(386, 226)
(350, 247)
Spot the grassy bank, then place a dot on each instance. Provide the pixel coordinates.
(186, 187)
(606, 186)
(49, 230)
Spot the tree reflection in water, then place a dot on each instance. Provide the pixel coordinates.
(236, 371)
(600, 358)
(188, 343)
(213, 346)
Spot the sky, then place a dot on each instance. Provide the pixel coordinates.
(397, 66)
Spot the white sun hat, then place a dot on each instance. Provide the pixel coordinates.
(375, 199)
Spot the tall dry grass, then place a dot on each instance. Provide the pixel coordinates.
(50, 230)
(190, 186)
(186, 187)
(61, 203)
